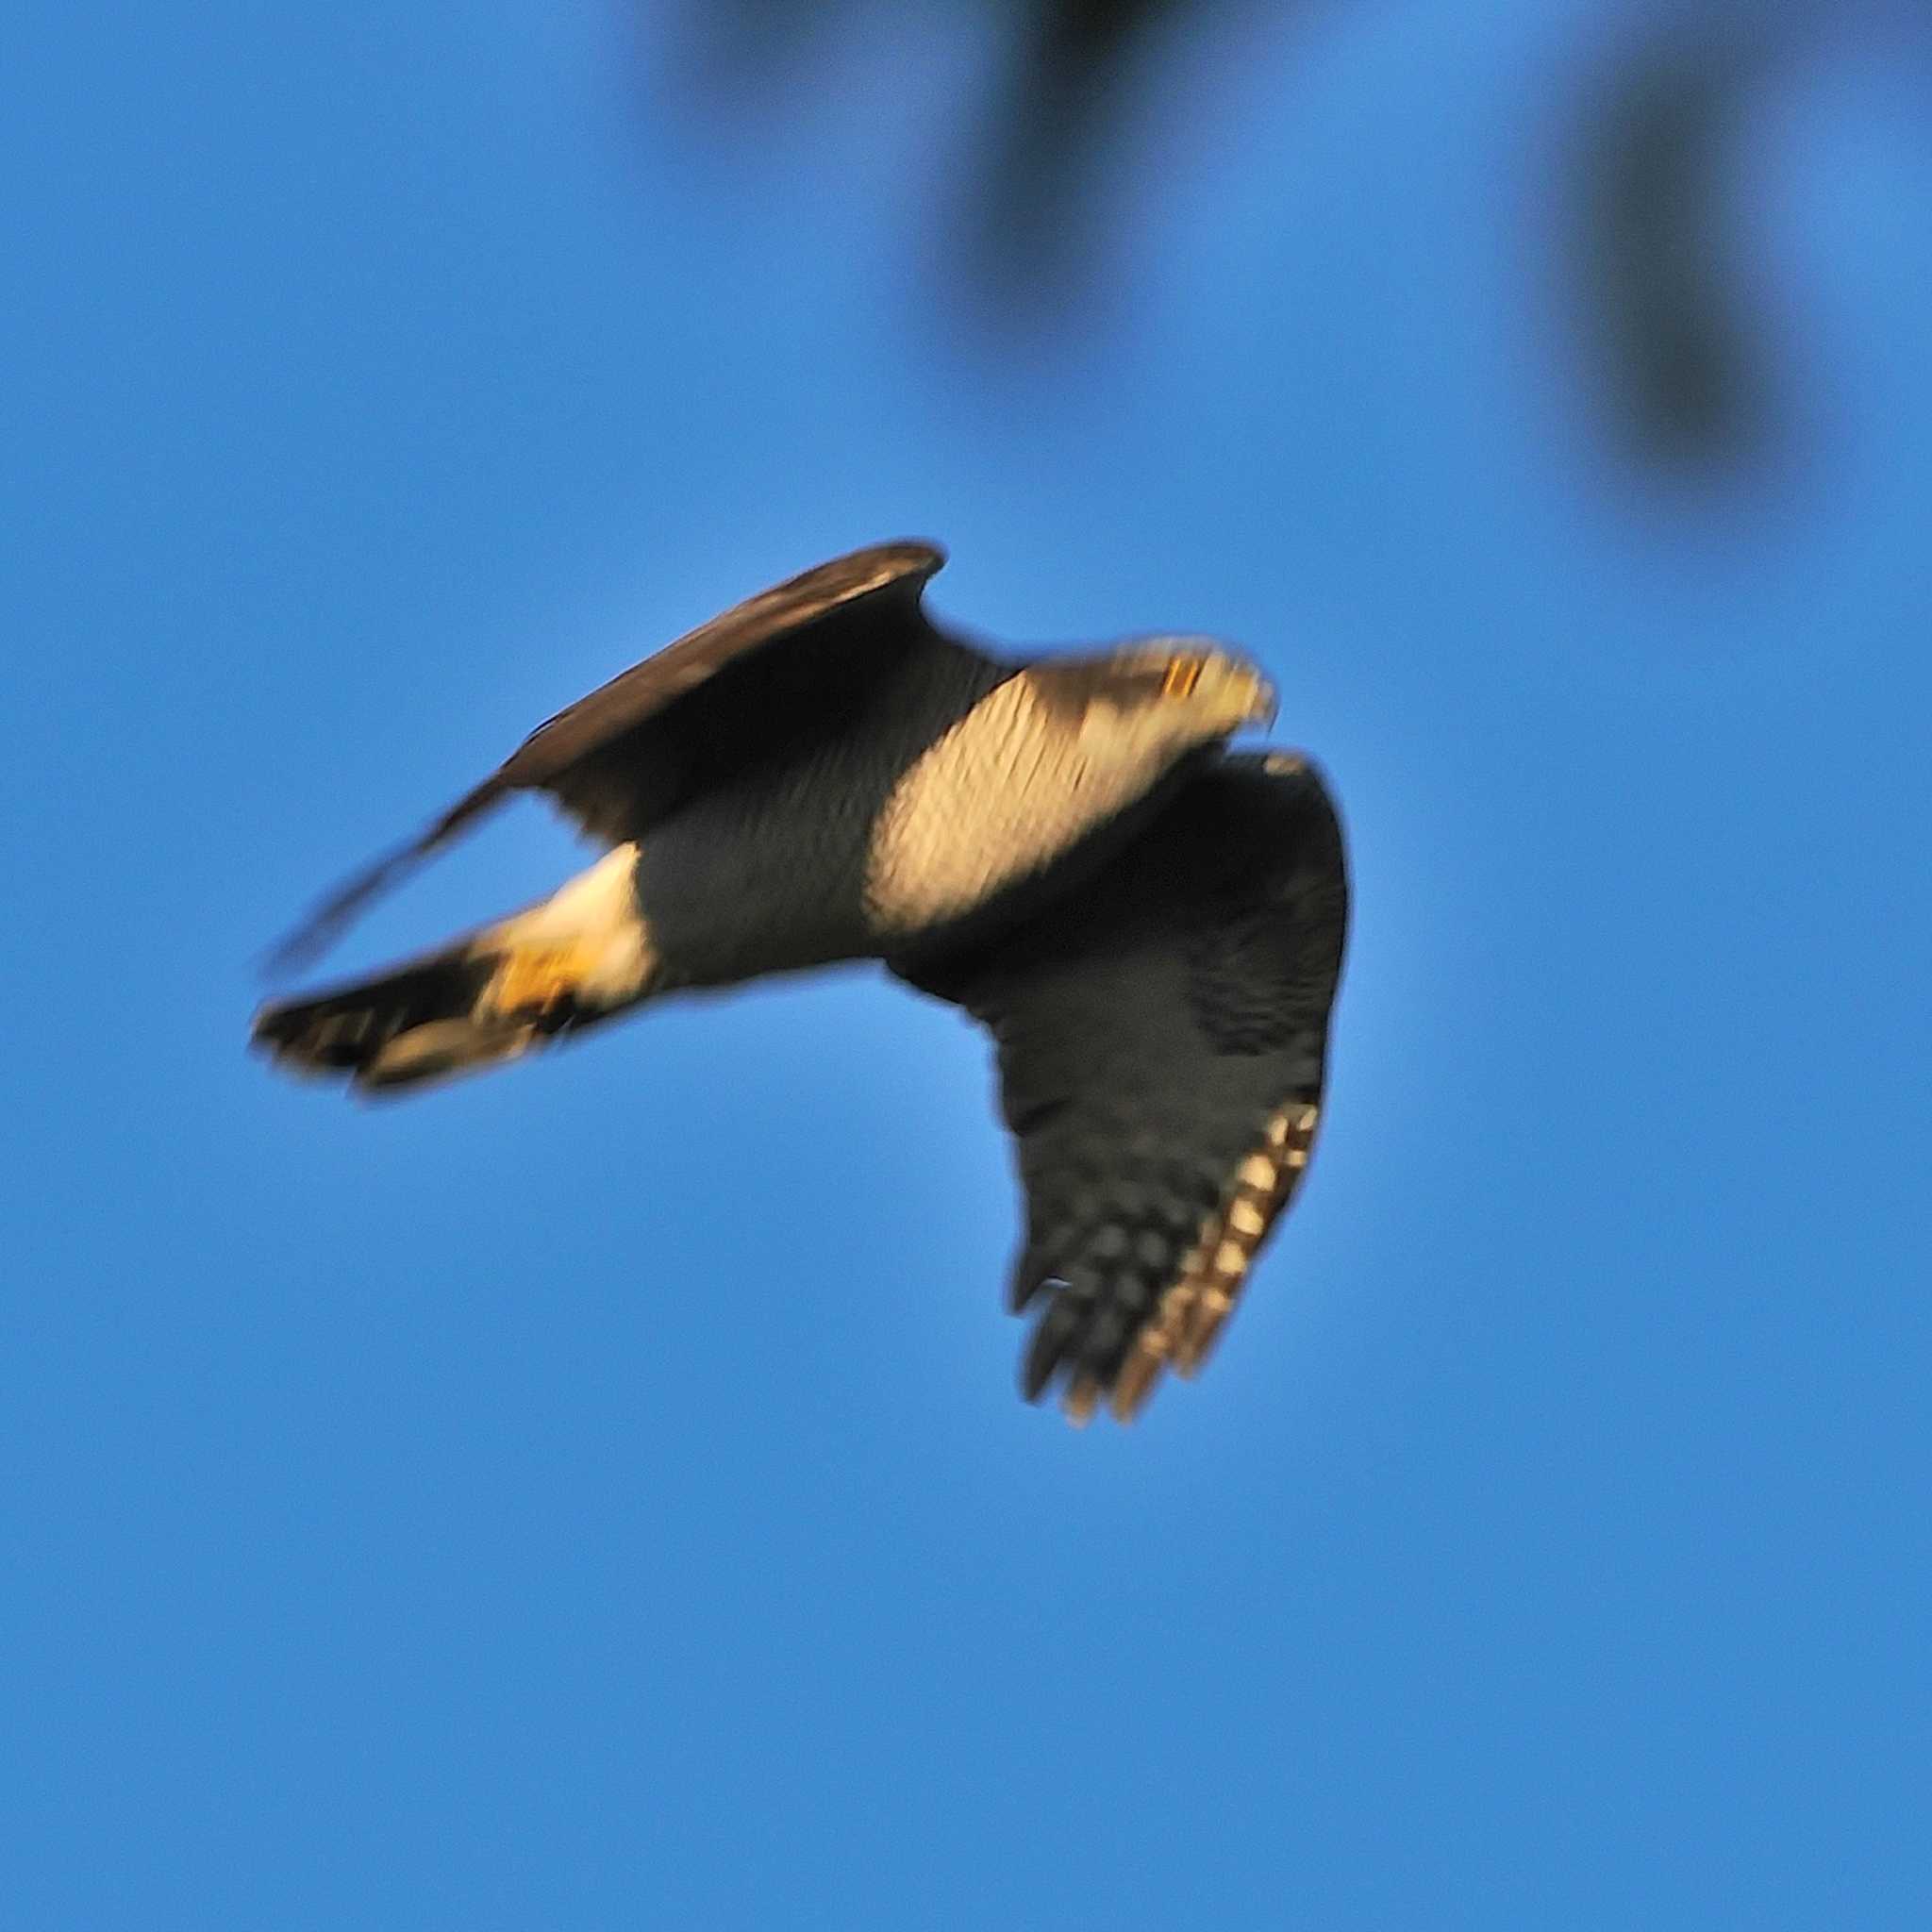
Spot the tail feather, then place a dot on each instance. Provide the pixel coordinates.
(578, 957)
(415, 1023)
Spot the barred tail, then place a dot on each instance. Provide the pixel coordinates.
(495, 995)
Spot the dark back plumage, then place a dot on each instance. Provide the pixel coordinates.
(593, 755)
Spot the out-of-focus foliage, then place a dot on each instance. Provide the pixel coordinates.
(1684, 372)
(1034, 188)
(1681, 360)
(1070, 60)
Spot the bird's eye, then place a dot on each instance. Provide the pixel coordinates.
(1183, 674)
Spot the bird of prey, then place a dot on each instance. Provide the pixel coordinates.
(1150, 926)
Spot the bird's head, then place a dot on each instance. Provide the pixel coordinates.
(1151, 701)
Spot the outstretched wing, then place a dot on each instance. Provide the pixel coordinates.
(1161, 1036)
(594, 757)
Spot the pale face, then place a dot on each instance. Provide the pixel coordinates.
(1151, 701)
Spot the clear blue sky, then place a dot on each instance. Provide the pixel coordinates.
(595, 1496)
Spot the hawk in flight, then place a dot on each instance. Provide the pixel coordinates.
(1149, 925)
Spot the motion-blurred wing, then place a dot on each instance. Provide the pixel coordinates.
(594, 757)
(1161, 1036)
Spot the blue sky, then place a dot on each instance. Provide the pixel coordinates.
(595, 1496)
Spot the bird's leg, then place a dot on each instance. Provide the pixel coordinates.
(537, 980)
(584, 951)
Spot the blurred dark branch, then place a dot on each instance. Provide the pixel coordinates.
(1683, 364)
(1032, 209)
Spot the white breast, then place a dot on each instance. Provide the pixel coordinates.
(1008, 789)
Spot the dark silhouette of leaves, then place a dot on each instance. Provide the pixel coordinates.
(1684, 368)
(1686, 379)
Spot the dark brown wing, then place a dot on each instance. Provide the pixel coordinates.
(1162, 1036)
(586, 755)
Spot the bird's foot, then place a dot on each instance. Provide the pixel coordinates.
(543, 981)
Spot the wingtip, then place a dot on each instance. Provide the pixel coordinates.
(306, 944)
(302, 947)
(1081, 1400)
(926, 553)
(1138, 1377)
